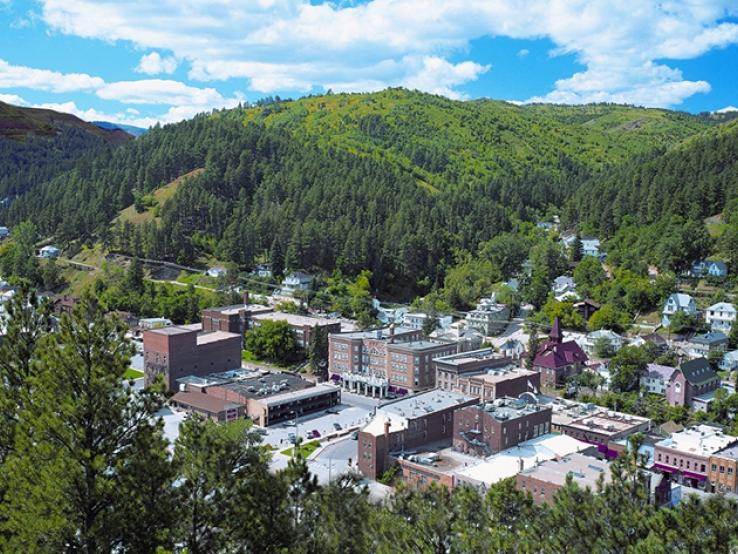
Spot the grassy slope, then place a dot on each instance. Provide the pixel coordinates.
(161, 194)
(481, 137)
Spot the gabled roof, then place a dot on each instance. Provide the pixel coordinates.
(722, 307)
(681, 299)
(697, 371)
(713, 337)
(660, 371)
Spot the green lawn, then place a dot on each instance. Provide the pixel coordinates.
(132, 374)
(305, 449)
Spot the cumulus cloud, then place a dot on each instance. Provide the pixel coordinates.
(18, 76)
(159, 91)
(154, 64)
(13, 99)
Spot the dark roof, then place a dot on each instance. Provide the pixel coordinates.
(697, 371)
(554, 354)
(204, 402)
(713, 337)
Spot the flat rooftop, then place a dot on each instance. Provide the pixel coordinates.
(204, 402)
(702, 440)
(269, 384)
(577, 414)
(296, 319)
(219, 378)
(504, 409)
(498, 375)
(379, 334)
(291, 396)
(731, 452)
(418, 345)
(215, 336)
(238, 308)
(585, 471)
(467, 357)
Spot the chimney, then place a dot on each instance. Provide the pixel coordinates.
(387, 425)
(246, 297)
(392, 333)
(521, 465)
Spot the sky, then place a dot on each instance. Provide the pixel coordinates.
(141, 61)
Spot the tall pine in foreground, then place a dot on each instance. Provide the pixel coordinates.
(89, 457)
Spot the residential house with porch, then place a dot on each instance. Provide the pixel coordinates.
(721, 316)
(677, 302)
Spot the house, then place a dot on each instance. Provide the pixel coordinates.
(416, 320)
(704, 345)
(564, 288)
(389, 314)
(590, 247)
(297, 280)
(4, 232)
(658, 342)
(693, 381)
(49, 252)
(263, 270)
(656, 378)
(557, 359)
(677, 302)
(489, 317)
(512, 348)
(730, 361)
(720, 316)
(709, 268)
(216, 272)
(545, 225)
(591, 340)
(586, 308)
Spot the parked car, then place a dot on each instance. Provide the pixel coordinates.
(331, 411)
(355, 435)
(263, 432)
(314, 434)
(292, 437)
(337, 426)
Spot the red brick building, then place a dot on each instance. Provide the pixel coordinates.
(500, 383)
(179, 351)
(450, 369)
(543, 480)
(557, 359)
(407, 424)
(302, 325)
(490, 428)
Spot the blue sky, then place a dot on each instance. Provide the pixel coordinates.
(139, 62)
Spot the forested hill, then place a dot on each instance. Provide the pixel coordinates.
(36, 145)
(397, 182)
(693, 180)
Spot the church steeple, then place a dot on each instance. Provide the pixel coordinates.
(555, 334)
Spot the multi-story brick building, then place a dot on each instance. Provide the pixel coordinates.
(685, 455)
(489, 428)
(557, 359)
(407, 424)
(232, 319)
(302, 325)
(691, 382)
(722, 470)
(450, 370)
(500, 383)
(385, 360)
(176, 351)
(543, 480)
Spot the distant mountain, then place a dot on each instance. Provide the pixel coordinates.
(130, 129)
(37, 144)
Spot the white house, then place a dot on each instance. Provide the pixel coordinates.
(389, 314)
(216, 272)
(677, 302)
(656, 378)
(263, 270)
(730, 361)
(701, 346)
(564, 288)
(590, 247)
(49, 252)
(297, 280)
(589, 341)
(4, 232)
(416, 320)
(720, 316)
(489, 317)
(512, 348)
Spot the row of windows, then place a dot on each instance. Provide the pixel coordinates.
(722, 469)
(673, 461)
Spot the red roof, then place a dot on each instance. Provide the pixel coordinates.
(555, 354)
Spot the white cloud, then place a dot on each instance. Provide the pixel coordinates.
(18, 76)
(294, 45)
(154, 64)
(13, 99)
(159, 91)
(727, 109)
(523, 53)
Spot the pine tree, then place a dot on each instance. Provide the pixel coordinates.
(276, 258)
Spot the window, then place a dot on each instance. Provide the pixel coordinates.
(703, 468)
(722, 469)
(714, 467)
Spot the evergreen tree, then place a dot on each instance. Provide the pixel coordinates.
(276, 258)
(318, 351)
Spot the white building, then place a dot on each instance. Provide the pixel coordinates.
(489, 317)
(4, 232)
(656, 378)
(216, 272)
(49, 252)
(263, 270)
(677, 302)
(730, 361)
(720, 316)
(297, 280)
(564, 288)
(590, 340)
(416, 320)
(590, 247)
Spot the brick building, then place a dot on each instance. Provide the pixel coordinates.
(217, 409)
(489, 428)
(232, 319)
(500, 383)
(178, 351)
(385, 360)
(691, 382)
(450, 369)
(557, 359)
(722, 470)
(302, 325)
(543, 480)
(407, 424)
(686, 455)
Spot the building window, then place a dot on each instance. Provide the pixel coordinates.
(722, 469)
(703, 468)
(714, 467)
